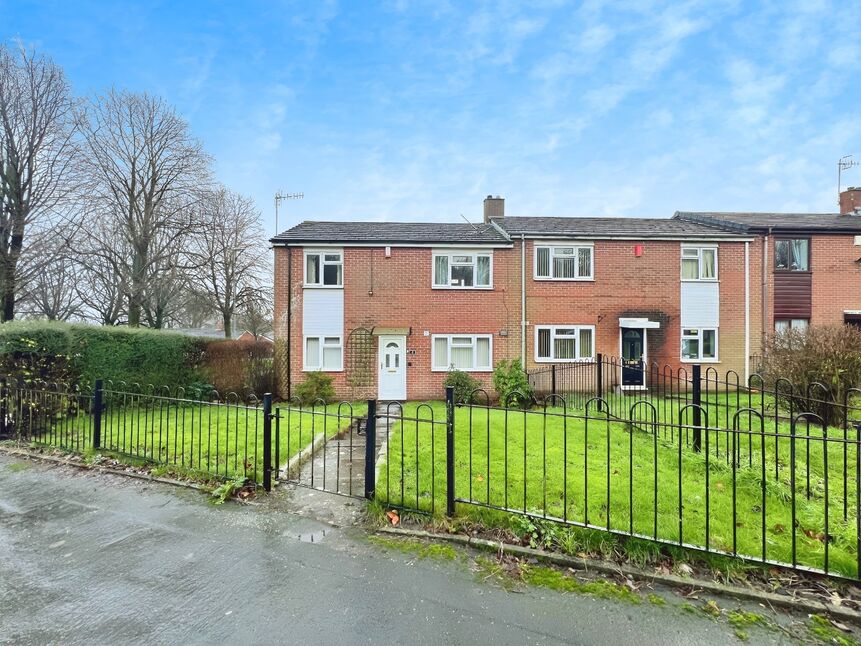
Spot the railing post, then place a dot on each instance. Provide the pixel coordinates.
(97, 414)
(267, 442)
(449, 451)
(370, 450)
(553, 379)
(4, 406)
(697, 401)
(599, 377)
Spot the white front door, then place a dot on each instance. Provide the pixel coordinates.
(393, 368)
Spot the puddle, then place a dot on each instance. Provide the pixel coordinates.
(312, 537)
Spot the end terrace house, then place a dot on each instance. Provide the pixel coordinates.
(389, 308)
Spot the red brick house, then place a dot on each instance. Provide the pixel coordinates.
(389, 308)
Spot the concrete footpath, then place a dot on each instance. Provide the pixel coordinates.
(102, 559)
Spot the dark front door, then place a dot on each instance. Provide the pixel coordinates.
(633, 349)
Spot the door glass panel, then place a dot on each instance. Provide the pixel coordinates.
(397, 361)
(632, 345)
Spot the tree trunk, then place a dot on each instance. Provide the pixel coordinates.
(228, 325)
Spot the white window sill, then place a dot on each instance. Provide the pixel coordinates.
(462, 369)
(700, 360)
(306, 369)
(700, 280)
(487, 288)
(309, 286)
(544, 279)
(584, 360)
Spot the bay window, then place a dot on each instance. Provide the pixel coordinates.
(699, 263)
(699, 344)
(564, 343)
(467, 352)
(558, 262)
(324, 353)
(462, 270)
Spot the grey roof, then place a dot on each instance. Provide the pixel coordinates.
(393, 232)
(800, 222)
(609, 227)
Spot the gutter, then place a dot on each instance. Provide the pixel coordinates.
(746, 312)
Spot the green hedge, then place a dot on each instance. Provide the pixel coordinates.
(83, 353)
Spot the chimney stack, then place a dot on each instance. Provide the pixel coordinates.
(494, 207)
(850, 201)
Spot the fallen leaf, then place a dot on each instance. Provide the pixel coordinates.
(479, 478)
(685, 569)
(393, 517)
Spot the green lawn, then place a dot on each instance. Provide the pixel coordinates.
(216, 438)
(603, 474)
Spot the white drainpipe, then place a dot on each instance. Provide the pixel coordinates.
(523, 301)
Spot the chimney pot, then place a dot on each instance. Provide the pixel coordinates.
(494, 207)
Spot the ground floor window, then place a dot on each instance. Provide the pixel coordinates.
(468, 352)
(324, 353)
(781, 325)
(563, 343)
(699, 344)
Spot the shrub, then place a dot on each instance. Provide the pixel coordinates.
(829, 355)
(509, 379)
(75, 352)
(464, 386)
(317, 385)
(239, 366)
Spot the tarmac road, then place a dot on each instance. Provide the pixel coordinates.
(102, 559)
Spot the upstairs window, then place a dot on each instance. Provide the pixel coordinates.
(564, 343)
(462, 270)
(563, 262)
(699, 263)
(792, 254)
(324, 269)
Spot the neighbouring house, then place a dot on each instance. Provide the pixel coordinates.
(388, 309)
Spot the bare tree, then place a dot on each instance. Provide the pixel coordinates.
(257, 317)
(101, 251)
(38, 120)
(231, 249)
(48, 279)
(145, 174)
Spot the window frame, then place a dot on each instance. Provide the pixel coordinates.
(699, 337)
(699, 249)
(474, 338)
(789, 270)
(323, 262)
(789, 324)
(307, 367)
(553, 329)
(451, 253)
(574, 245)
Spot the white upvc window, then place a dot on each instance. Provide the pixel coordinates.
(564, 343)
(324, 268)
(699, 263)
(699, 344)
(467, 352)
(324, 353)
(564, 262)
(782, 325)
(462, 269)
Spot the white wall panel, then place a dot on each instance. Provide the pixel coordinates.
(700, 304)
(323, 312)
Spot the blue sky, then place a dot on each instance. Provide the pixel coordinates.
(409, 110)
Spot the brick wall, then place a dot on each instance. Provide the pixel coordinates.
(648, 286)
(396, 291)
